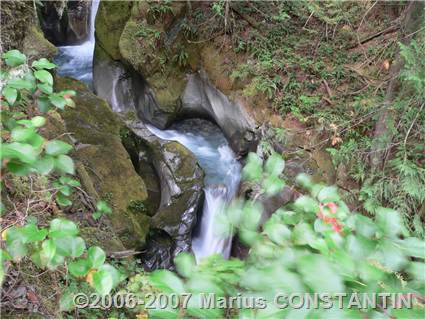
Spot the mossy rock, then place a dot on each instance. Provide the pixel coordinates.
(111, 18)
(95, 130)
(36, 46)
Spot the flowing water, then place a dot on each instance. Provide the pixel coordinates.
(204, 139)
(76, 60)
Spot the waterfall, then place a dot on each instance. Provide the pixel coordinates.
(204, 139)
(222, 177)
(76, 60)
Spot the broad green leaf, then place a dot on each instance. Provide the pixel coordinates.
(79, 268)
(251, 215)
(328, 194)
(319, 274)
(253, 170)
(4, 255)
(43, 104)
(365, 226)
(389, 221)
(417, 270)
(57, 147)
(23, 152)
(66, 301)
(20, 84)
(273, 185)
(30, 233)
(63, 200)
(38, 121)
(96, 257)
(56, 261)
(303, 234)
(412, 246)
(391, 256)
(45, 88)
(21, 134)
(44, 165)
(167, 282)
(307, 204)
(360, 247)
(16, 249)
(304, 181)
(10, 94)
(70, 246)
(278, 233)
(58, 101)
(65, 164)
(18, 168)
(185, 264)
(274, 165)
(14, 58)
(43, 63)
(60, 227)
(102, 282)
(196, 309)
(44, 76)
(116, 276)
(48, 251)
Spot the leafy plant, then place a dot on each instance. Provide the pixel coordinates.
(314, 244)
(102, 209)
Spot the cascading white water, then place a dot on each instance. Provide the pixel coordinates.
(222, 176)
(76, 60)
(204, 139)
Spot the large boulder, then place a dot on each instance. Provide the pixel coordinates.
(65, 22)
(105, 166)
(181, 191)
(20, 30)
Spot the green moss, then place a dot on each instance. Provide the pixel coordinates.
(110, 21)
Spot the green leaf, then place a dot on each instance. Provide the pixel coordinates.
(303, 234)
(319, 274)
(417, 270)
(20, 84)
(70, 246)
(30, 233)
(273, 185)
(38, 121)
(21, 134)
(274, 165)
(58, 101)
(23, 152)
(304, 181)
(60, 227)
(65, 164)
(391, 256)
(45, 88)
(57, 147)
(278, 233)
(14, 58)
(166, 281)
(19, 169)
(43, 63)
(44, 76)
(66, 301)
(389, 221)
(360, 247)
(79, 268)
(117, 277)
(307, 204)
(10, 94)
(102, 282)
(167, 313)
(48, 251)
(253, 170)
(16, 249)
(63, 200)
(365, 226)
(96, 257)
(43, 104)
(328, 194)
(413, 247)
(185, 264)
(44, 165)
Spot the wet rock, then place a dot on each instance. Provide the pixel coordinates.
(95, 131)
(65, 22)
(181, 181)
